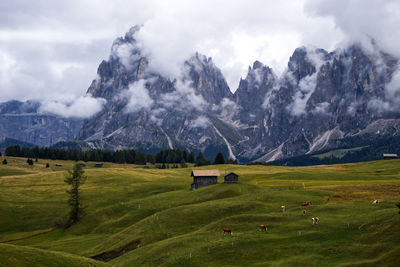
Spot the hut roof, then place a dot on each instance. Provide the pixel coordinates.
(231, 173)
(390, 155)
(205, 173)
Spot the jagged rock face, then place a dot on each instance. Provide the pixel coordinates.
(149, 112)
(320, 100)
(21, 121)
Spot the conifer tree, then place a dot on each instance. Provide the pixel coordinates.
(75, 179)
(219, 159)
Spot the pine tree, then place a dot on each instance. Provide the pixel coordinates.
(201, 161)
(47, 165)
(75, 178)
(5, 162)
(191, 157)
(219, 159)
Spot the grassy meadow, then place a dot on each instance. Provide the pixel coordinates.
(149, 217)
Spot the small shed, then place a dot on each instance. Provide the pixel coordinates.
(203, 178)
(231, 177)
(389, 156)
(98, 165)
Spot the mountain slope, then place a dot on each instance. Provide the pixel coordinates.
(23, 121)
(322, 99)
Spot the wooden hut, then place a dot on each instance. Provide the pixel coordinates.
(203, 178)
(231, 177)
(389, 156)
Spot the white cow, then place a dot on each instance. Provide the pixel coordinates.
(375, 201)
(315, 220)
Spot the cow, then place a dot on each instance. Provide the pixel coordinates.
(262, 227)
(375, 201)
(315, 220)
(304, 212)
(227, 231)
(307, 203)
(283, 208)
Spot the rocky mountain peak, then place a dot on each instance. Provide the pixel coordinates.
(207, 79)
(320, 100)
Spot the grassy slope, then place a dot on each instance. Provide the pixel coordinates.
(12, 255)
(338, 153)
(150, 217)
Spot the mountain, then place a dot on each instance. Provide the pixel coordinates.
(22, 121)
(324, 98)
(323, 101)
(149, 112)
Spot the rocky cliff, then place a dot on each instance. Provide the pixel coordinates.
(23, 121)
(321, 99)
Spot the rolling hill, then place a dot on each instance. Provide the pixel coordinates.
(149, 217)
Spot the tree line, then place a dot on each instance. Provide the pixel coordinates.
(120, 156)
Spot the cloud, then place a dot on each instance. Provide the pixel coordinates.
(306, 86)
(360, 20)
(126, 53)
(227, 109)
(391, 101)
(321, 108)
(184, 97)
(69, 107)
(53, 47)
(138, 97)
(392, 89)
(200, 122)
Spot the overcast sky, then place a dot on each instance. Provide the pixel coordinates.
(50, 49)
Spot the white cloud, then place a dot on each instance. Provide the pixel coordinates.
(392, 89)
(200, 122)
(391, 102)
(321, 108)
(360, 18)
(41, 36)
(73, 107)
(138, 97)
(306, 86)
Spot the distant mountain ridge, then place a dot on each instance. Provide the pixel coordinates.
(321, 100)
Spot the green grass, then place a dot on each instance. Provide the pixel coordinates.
(137, 216)
(338, 153)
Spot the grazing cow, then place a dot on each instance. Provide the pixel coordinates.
(227, 231)
(307, 203)
(283, 208)
(315, 220)
(375, 201)
(304, 212)
(262, 227)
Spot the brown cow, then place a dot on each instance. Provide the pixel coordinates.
(307, 203)
(315, 220)
(227, 231)
(304, 212)
(262, 227)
